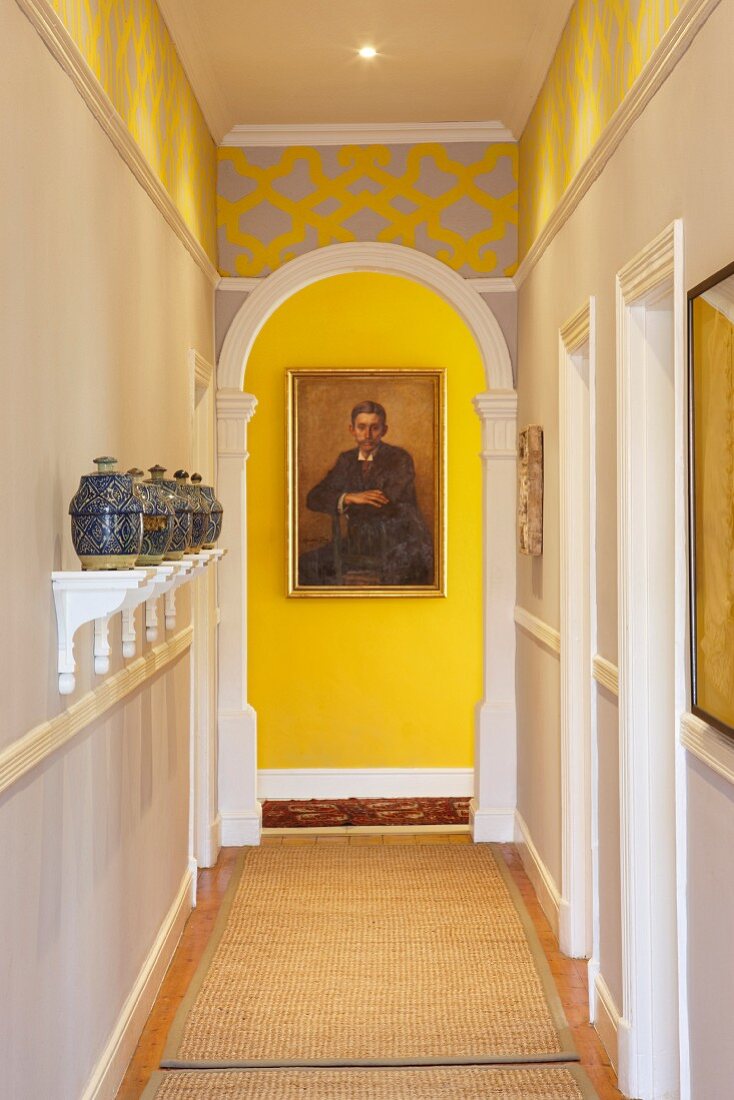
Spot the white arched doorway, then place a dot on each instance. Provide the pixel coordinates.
(494, 799)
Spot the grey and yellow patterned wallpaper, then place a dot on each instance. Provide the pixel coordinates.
(456, 202)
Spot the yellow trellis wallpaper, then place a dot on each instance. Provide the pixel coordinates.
(456, 202)
(127, 45)
(603, 48)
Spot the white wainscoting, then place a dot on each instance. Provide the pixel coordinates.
(305, 783)
(606, 674)
(536, 628)
(29, 751)
(543, 882)
(708, 745)
(110, 1068)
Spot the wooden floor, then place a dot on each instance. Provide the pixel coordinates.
(569, 974)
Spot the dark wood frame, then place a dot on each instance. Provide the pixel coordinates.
(711, 719)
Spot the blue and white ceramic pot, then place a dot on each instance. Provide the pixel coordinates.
(106, 519)
(159, 519)
(201, 510)
(216, 512)
(180, 542)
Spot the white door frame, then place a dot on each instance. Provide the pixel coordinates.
(204, 827)
(576, 353)
(493, 806)
(649, 810)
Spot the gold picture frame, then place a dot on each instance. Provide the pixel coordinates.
(711, 498)
(366, 488)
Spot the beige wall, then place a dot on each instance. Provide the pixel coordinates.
(100, 302)
(676, 161)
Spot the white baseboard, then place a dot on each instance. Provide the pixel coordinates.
(305, 783)
(543, 882)
(110, 1068)
(606, 1019)
(241, 829)
(493, 824)
(213, 842)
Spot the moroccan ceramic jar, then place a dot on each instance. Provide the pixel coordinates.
(159, 519)
(181, 540)
(216, 512)
(201, 510)
(106, 519)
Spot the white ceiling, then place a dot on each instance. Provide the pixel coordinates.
(295, 61)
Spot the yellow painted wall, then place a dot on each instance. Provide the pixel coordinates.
(128, 48)
(603, 49)
(349, 683)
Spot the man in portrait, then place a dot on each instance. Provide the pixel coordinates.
(373, 486)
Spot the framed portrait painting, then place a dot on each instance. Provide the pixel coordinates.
(711, 499)
(366, 482)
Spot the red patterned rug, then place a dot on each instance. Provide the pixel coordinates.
(321, 813)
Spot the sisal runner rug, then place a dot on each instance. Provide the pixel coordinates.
(386, 955)
(457, 1083)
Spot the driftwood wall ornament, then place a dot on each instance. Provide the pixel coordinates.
(530, 490)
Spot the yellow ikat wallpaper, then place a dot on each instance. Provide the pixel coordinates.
(129, 49)
(456, 202)
(603, 49)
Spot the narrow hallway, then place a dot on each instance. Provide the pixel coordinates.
(569, 975)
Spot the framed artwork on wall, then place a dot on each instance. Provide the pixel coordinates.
(366, 482)
(711, 498)
(530, 491)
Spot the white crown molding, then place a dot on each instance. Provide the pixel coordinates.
(545, 887)
(487, 285)
(179, 15)
(605, 673)
(340, 259)
(707, 744)
(482, 284)
(366, 133)
(121, 1044)
(28, 752)
(238, 284)
(670, 50)
(539, 630)
(305, 783)
(63, 48)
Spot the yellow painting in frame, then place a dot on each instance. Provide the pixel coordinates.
(711, 470)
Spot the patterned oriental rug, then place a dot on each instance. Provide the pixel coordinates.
(319, 813)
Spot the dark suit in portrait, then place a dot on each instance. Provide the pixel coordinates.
(393, 538)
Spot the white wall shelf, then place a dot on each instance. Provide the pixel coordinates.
(95, 595)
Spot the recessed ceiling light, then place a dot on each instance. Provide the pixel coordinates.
(368, 51)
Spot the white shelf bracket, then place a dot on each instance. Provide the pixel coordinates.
(165, 576)
(185, 573)
(95, 595)
(85, 597)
